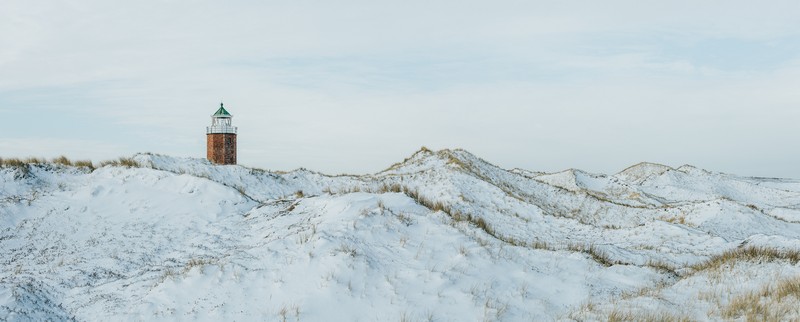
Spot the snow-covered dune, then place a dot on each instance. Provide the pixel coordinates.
(441, 236)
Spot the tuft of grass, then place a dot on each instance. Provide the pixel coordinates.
(84, 164)
(539, 244)
(390, 188)
(494, 309)
(129, 163)
(657, 316)
(748, 253)
(287, 311)
(482, 224)
(381, 206)
(258, 171)
(347, 249)
(405, 219)
(661, 265)
(772, 303)
(21, 166)
(199, 263)
(353, 189)
(168, 273)
(13, 163)
(600, 256)
(679, 219)
(24, 164)
(35, 160)
(121, 162)
(62, 160)
(405, 317)
(597, 254)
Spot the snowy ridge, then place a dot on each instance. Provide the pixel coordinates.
(443, 236)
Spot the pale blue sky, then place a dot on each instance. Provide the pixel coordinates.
(355, 86)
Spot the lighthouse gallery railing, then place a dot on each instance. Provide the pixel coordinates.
(221, 129)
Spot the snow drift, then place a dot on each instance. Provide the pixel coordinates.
(441, 236)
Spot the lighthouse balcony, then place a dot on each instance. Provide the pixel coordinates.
(221, 129)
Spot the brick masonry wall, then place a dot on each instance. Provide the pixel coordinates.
(221, 148)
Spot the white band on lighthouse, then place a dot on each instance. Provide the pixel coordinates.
(221, 129)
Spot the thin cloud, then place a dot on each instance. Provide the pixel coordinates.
(353, 87)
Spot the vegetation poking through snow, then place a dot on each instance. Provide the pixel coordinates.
(749, 253)
(646, 316)
(774, 302)
(441, 235)
(121, 162)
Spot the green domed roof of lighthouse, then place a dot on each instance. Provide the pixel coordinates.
(221, 112)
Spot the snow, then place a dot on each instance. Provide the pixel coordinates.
(442, 236)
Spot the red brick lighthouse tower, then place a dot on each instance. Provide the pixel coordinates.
(221, 138)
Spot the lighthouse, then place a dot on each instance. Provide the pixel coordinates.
(221, 138)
